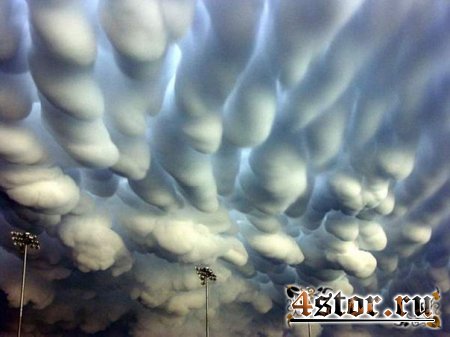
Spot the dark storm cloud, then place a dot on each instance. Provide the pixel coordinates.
(278, 142)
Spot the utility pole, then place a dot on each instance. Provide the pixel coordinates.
(23, 240)
(205, 274)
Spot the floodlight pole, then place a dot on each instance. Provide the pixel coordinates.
(22, 290)
(205, 274)
(206, 311)
(22, 241)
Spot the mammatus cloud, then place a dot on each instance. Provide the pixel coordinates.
(278, 142)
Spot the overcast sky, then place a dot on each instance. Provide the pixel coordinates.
(279, 142)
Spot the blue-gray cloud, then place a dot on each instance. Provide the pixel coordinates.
(278, 142)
